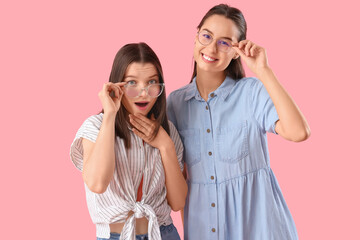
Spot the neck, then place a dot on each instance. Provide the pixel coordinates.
(208, 82)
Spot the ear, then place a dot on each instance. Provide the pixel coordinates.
(236, 56)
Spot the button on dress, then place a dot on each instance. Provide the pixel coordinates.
(233, 193)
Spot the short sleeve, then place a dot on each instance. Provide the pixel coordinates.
(170, 109)
(263, 107)
(89, 130)
(178, 145)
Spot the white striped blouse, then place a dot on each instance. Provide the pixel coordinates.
(114, 205)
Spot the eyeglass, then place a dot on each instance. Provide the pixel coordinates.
(153, 90)
(205, 39)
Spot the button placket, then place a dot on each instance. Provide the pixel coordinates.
(209, 148)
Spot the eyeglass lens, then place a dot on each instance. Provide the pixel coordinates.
(223, 45)
(153, 90)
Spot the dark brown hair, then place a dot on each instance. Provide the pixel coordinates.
(139, 53)
(235, 69)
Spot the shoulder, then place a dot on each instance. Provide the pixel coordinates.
(247, 86)
(94, 120)
(90, 128)
(173, 130)
(181, 92)
(248, 82)
(174, 134)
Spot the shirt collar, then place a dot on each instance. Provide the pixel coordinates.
(191, 90)
(223, 90)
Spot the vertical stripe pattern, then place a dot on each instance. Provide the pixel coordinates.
(119, 199)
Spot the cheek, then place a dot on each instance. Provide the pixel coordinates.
(227, 57)
(197, 49)
(125, 102)
(152, 103)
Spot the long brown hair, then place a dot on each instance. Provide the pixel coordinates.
(139, 53)
(235, 69)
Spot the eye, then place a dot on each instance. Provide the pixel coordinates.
(131, 83)
(153, 81)
(207, 36)
(224, 43)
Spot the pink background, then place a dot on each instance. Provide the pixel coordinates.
(55, 56)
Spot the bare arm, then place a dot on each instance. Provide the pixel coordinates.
(185, 176)
(292, 124)
(175, 182)
(99, 157)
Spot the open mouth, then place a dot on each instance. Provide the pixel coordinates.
(141, 104)
(208, 58)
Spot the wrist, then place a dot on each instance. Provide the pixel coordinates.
(263, 72)
(109, 116)
(167, 147)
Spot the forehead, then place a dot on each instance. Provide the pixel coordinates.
(221, 26)
(141, 70)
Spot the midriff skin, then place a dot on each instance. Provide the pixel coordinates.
(141, 226)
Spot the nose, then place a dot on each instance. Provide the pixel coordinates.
(213, 46)
(142, 92)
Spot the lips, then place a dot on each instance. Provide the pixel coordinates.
(208, 59)
(142, 105)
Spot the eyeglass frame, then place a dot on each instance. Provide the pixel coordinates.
(212, 39)
(162, 85)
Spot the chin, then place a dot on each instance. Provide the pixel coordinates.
(142, 112)
(210, 69)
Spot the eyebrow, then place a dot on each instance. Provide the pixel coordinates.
(131, 76)
(213, 34)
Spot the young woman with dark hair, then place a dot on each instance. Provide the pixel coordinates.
(130, 155)
(222, 117)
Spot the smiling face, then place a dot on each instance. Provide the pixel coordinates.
(143, 75)
(209, 57)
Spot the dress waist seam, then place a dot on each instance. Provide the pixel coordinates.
(230, 179)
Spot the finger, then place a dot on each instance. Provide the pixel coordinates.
(108, 89)
(114, 91)
(119, 90)
(106, 86)
(140, 134)
(147, 122)
(120, 84)
(109, 86)
(242, 44)
(247, 48)
(139, 126)
(240, 52)
(253, 50)
(240, 48)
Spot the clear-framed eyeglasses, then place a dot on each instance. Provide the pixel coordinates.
(153, 90)
(205, 38)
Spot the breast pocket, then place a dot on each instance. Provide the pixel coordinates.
(232, 143)
(191, 142)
